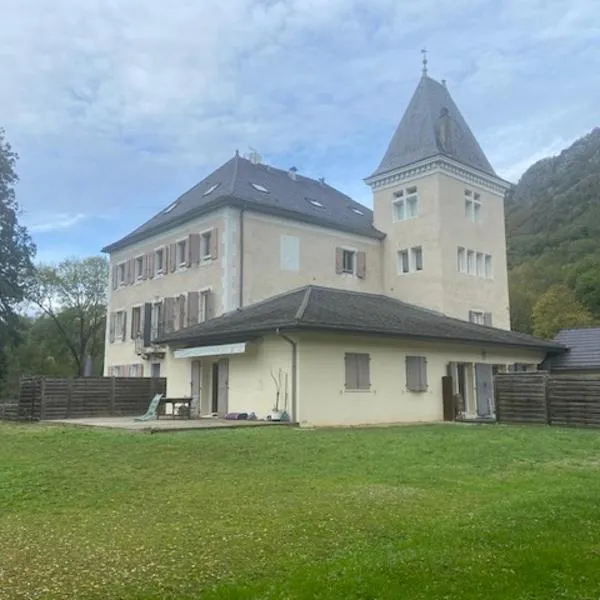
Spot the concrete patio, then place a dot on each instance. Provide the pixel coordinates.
(161, 425)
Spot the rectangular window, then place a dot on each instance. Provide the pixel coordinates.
(121, 273)
(348, 260)
(470, 262)
(139, 268)
(479, 263)
(461, 257)
(403, 261)
(136, 370)
(357, 367)
(182, 253)
(417, 258)
(205, 308)
(206, 245)
(159, 262)
(472, 205)
(407, 204)
(120, 320)
(289, 253)
(115, 371)
(488, 266)
(416, 373)
(136, 322)
(156, 321)
(477, 316)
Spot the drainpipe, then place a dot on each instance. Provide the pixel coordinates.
(294, 345)
(241, 290)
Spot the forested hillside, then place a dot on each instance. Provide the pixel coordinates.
(553, 237)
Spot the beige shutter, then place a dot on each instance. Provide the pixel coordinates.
(192, 308)
(214, 243)
(172, 258)
(361, 264)
(182, 322)
(194, 249)
(111, 331)
(339, 260)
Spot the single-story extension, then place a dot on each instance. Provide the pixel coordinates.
(583, 355)
(333, 357)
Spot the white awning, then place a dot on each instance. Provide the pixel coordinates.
(211, 350)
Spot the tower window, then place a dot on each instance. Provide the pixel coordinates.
(417, 258)
(461, 260)
(472, 206)
(470, 262)
(410, 260)
(406, 205)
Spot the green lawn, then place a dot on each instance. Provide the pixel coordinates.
(406, 512)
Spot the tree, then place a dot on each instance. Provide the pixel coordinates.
(557, 309)
(16, 250)
(73, 295)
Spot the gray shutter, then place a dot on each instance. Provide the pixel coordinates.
(150, 265)
(147, 329)
(422, 373)
(210, 305)
(339, 260)
(192, 308)
(471, 315)
(487, 319)
(411, 374)
(350, 370)
(214, 243)
(361, 264)
(131, 270)
(193, 249)
(169, 312)
(124, 328)
(166, 259)
(362, 369)
(181, 323)
(145, 266)
(172, 258)
(132, 324)
(111, 330)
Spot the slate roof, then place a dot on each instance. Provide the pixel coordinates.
(326, 309)
(285, 197)
(432, 125)
(584, 350)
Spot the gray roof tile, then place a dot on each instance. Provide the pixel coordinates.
(584, 349)
(433, 125)
(284, 197)
(328, 309)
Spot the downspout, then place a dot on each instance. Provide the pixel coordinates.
(294, 344)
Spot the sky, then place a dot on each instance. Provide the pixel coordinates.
(116, 107)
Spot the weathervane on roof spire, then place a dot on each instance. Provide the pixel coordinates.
(424, 53)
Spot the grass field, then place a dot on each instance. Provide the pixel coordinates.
(407, 512)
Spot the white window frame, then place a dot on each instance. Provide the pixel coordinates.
(461, 259)
(480, 264)
(488, 267)
(141, 307)
(402, 254)
(120, 321)
(480, 316)
(122, 268)
(178, 244)
(154, 320)
(414, 251)
(140, 276)
(353, 252)
(203, 234)
(158, 272)
(202, 295)
(473, 205)
(405, 198)
(471, 260)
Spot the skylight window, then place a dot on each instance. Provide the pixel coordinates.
(211, 189)
(357, 211)
(170, 207)
(260, 188)
(315, 202)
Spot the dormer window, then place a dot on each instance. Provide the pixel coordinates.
(315, 202)
(260, 188)
(170, 208)
(211, 189)
(357, 211)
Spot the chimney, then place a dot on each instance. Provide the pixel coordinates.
(322, 180)
(292, 173)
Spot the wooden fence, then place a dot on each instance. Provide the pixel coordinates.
(544, 398)
(63, 398)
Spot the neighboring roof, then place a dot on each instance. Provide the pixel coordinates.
(584, 349)
(433, 125)
(240, 182)
(328, 309)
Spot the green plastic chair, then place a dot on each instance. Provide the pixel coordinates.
(151, 412)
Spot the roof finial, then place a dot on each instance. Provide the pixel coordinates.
(424, 53)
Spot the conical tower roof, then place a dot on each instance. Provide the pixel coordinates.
(432, 125)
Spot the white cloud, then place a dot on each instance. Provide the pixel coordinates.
(53, 222)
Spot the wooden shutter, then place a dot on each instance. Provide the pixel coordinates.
(172, 258)
(361, 264)
(192, 308)
(115, 277)
(147, 329)
(363, 371)
(416, 373)
(182, 322)
(339, 260)
(111, 327)
(487, 319)
(214, 243)
(193, 249)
